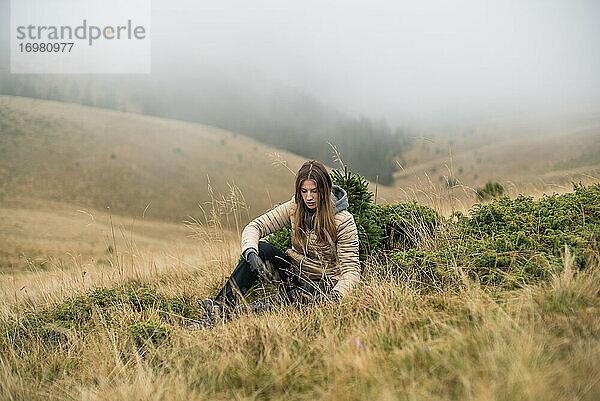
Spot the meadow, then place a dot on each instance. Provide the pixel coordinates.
(459, 298)
(411, 330)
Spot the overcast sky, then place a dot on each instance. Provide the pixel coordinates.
(404, 61)
(396, 59)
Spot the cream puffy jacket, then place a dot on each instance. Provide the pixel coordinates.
(314, 260)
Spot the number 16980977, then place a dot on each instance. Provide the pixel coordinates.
(57, 47)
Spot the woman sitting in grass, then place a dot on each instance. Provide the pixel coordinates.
(322, 264)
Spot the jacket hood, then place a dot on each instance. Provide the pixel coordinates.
(340, 199)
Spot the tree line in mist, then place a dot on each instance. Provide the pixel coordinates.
(278, 116)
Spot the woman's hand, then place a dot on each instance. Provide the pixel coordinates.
(258, 266)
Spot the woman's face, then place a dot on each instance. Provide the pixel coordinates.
(309, 192)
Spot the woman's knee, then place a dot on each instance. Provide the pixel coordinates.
(267, 251)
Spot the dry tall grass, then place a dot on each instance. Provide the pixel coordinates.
(391, 338)
(388, 340)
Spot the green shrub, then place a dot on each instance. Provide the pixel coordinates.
(282, 238)
(509, 242)
(367, 216)
(384, 227)
(407, 225)
(149, 331)
(490, 190)
(76, 315)
(545, 225)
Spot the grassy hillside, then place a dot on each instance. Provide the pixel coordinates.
(231, 98)
(39, 236)
(444, 168)
(94, 157)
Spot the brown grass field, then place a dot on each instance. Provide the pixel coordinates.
(390, 339)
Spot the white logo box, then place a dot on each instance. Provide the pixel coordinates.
(80, 36)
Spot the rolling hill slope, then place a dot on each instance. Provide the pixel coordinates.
(93, 157)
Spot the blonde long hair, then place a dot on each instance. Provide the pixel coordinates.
(324, 223)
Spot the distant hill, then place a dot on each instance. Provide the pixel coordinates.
(528, 158)
(94, 157)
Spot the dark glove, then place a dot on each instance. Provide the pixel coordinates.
(258, 266)
(299, 295)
